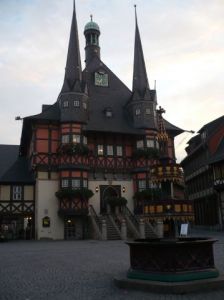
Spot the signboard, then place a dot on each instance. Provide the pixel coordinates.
(46, 222)
(184, 229)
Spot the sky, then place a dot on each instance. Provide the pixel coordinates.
(183, 45)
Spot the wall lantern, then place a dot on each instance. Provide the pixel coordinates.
(123, 189)
(97, 189)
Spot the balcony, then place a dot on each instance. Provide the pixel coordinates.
(167, 172)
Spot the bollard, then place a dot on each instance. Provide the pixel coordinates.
(104, 230)
(123, 230)
(142, 229)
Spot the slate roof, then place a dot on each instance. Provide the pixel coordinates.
(219, 154)
(19, 172)
(8, 155)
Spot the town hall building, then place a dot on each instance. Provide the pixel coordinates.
(99, 147)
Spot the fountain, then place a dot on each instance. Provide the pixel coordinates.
(178, 265)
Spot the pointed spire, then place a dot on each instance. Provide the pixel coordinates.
(73, 70)
(140, 80)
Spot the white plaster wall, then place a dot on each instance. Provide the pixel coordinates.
(129, 192)
(47, 205)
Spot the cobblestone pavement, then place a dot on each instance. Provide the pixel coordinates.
(64, 270)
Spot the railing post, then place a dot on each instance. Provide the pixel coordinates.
(104, 230)
(142, 229)
(123, 230)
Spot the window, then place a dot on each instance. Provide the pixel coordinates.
(17, 192)
(75, 183)
(76, 103)
(110, 150)
(119, 151)
(140, 144)
(64, 183)
(157, 144)
(84, 105)
(137, 111)
(65, 139)
(85, 183)
(65, 103)
(100, 149)
(147, 111)
(85, 140)
(150, 143)
(141, 185)
(76, 138)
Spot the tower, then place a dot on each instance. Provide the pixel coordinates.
(92, 33)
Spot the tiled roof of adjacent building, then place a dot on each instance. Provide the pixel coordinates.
(8, 155)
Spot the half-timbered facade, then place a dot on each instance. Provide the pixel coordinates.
(100, 140)
(204, 174)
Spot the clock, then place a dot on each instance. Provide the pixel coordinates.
(101, 79)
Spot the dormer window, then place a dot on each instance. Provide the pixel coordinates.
(137, 111)
(65, 103)
(76, 103)
(108, 112)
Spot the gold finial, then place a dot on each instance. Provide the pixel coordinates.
(91, 17)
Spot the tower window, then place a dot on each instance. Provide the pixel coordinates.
(110, 150)
(85, 183)
(140, 144)
(65, 103)
(75, 183)
(85, 140)
(17, 192)
(65, 139)
(141, 185)
(119, 151)
(76, 138)
(84, 105)
(150, 143)
(137, 111)
(100, 149)
(64, 183)
(76, 103)
(147, 111)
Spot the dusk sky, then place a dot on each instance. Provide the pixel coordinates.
(183, 44)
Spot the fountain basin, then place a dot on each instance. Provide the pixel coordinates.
(172, 260)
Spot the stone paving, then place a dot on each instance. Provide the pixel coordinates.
(66, 270)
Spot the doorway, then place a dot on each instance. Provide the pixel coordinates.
(107, 191)
(69, 229)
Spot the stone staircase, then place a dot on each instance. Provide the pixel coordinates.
(113, 231)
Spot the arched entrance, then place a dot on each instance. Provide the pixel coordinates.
(107, 191)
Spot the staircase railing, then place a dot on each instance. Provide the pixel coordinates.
(132, 222)
(151, 228)
(95, 222)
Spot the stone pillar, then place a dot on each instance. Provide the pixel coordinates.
(123, 230)
(159, 228)
(142, 229)
(104, 230)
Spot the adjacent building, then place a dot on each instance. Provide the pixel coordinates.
(204, 174)
(99, 140)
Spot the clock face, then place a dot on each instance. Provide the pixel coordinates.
(101, 79)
